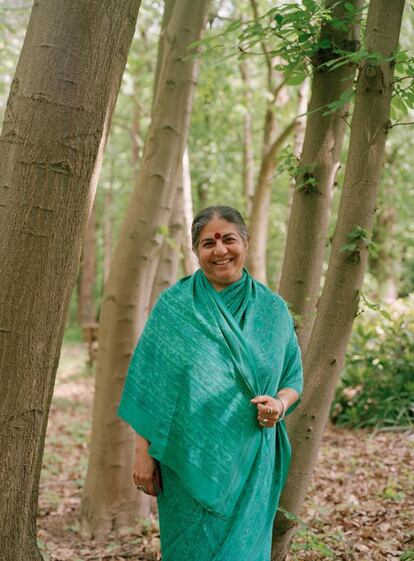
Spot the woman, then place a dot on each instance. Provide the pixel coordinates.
(216, 369)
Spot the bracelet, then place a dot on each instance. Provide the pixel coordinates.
(282, 416)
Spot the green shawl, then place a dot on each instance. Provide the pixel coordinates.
(202, 356)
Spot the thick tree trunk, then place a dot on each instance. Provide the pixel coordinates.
(55, 128)
(311, 206)
(339, 300)
(110, 498)
(87, 274)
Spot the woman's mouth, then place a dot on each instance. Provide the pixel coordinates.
(222, 262)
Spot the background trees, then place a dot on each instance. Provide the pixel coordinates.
(247, 63)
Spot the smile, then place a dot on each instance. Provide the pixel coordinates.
(222, 261)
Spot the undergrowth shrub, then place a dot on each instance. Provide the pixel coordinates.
(377, 385)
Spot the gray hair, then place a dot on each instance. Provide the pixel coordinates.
(227, 213)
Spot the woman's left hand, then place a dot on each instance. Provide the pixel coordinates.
(268, 410)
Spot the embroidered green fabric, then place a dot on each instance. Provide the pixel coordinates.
(202, 356)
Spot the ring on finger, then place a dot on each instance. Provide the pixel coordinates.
(265, 421)
(269, 411)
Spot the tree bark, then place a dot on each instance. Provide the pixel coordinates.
(386, 262)
(167, 270)
(311, 205)
(110, 498)
(248, 152)
(107, 225)
(87, 274)
(273, 140)
(339, 300)
(259, 219)
(54, 132)
(189, 259)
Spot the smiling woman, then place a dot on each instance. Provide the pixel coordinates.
(221, 248)
(214, 373)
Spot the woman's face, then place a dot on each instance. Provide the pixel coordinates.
(221, 252)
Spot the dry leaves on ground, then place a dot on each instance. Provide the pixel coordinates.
(360, 507)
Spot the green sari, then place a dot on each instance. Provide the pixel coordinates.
(202, 356)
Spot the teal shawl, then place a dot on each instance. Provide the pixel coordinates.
(202, 356)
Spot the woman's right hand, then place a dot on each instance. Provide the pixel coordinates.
(146, 468)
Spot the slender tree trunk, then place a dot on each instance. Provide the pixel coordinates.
(202, 192)
(110, 498)
(87, 274)
(299, 135)
(189, 259)
(385, 263)
(248, 153)
(300, 126)
(273, 140)
(136, 134)
(259, 219)
(339, 300)
(167, 270)
(311, 206)
(108, 218)
(54, 132)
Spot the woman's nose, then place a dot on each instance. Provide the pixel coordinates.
(220, 248)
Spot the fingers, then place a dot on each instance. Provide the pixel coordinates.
(267, 414)
(149, 486)
(260, 399)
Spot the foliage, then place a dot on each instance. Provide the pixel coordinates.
(377, 385)
(292, 36)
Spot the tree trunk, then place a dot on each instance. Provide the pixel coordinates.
(339, 300)
(189, 259)
(259, 219)
(311, 206)
(167, 270)
(87, 274)
(300, 127)
(385, 263)
(135, 134)
(248, 152)
(299, 135)
(273, 140)
(107, 225)
(54, 132)
(110, 498)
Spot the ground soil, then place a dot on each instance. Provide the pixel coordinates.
(360, 506)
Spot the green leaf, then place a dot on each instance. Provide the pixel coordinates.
(348, 247)
(278, 19)
(350, 7)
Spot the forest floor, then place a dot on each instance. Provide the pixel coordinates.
(360, 507)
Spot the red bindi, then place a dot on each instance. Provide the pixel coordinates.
(217, 236)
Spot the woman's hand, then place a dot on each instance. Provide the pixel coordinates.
(269, 410)
(146, 469)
